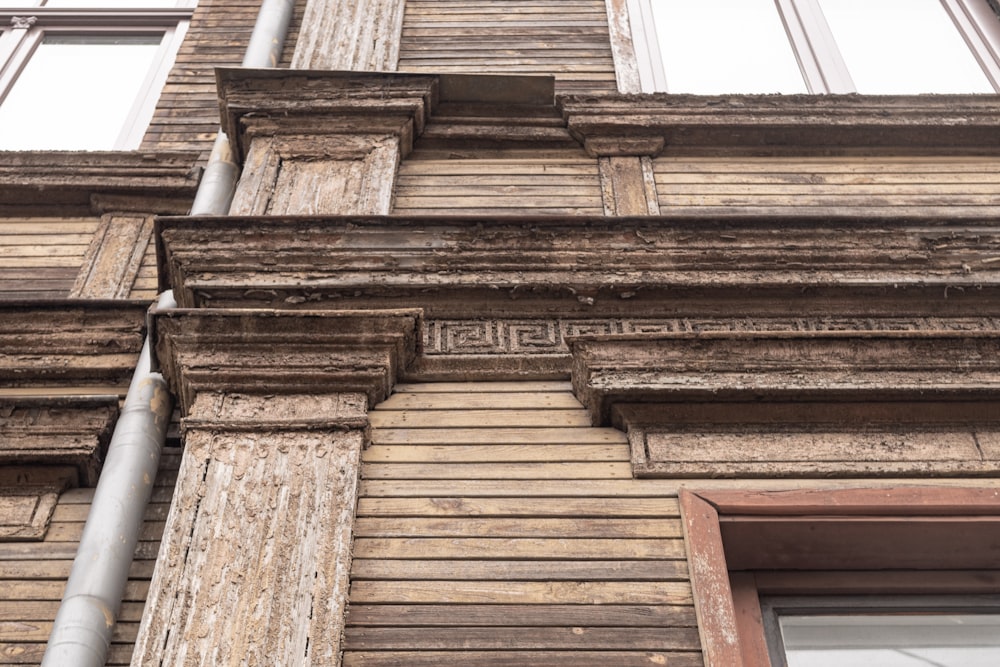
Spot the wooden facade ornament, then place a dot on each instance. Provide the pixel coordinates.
(761, 404)
(275, 407)
(321, 142)
(362, 35)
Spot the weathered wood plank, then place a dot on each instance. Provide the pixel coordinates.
(505, 435)
(471, 471)
(524, 638)
(493, 453)
(523, 592)
(489, 388)
(472, 401)
(530, 570)
(582, 507)
(479, 527)
(32, 610)
(58, 569)
(478, 418)
(521, 615)
(521, 658)
(537, 548)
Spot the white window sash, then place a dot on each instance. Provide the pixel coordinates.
(820, 61)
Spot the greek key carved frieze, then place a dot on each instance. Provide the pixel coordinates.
(548, 336)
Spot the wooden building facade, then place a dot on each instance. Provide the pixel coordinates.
(497, 359)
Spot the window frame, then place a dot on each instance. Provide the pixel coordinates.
(773, 608)
(30, 25)
(823, 68)
(730, 571)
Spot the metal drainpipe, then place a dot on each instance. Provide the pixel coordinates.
(82, 630)
(81, 634)
(218, 183)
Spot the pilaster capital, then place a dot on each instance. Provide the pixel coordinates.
(262, 363)
(319, 103)
(793, 124)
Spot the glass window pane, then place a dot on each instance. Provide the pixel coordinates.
(902, 47)
(116, 4)
(76, 92)
(896, 640)
(725, 46)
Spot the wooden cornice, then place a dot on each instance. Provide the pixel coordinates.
(274, 353)
(785, 124)
(589, 264)
(82, 183)
(784, 367)
(816, 404)
(72, 431)
(81, 343)
(325, 103)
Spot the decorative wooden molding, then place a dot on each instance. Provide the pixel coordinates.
(591, 266)
(784, 367)
(622, 48)
(267, 353)
(891, 530)
(48, 444)
(74, 342)
(28, 496)
(321, 142)
(276, 418)
(791, 124)
(71, 431)
(359, 36)
(74, 183)
(754, 404)
(315, 103)
(265, 518)
(113, 259)
(627, 186)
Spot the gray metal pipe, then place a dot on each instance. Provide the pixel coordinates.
(218, 183)
(81, 634)
(82, 631)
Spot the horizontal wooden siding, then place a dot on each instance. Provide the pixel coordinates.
(33, 574)
(565, 38)
(481, 539)
(41, 257)
(507, 183)
(882, 186)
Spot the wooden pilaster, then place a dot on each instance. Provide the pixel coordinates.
(358, 35)
(256, 552)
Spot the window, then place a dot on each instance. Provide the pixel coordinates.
(759, 557)
(817, 46)
(84, 74)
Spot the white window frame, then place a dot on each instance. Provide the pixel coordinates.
(25, 28)
(823, 68)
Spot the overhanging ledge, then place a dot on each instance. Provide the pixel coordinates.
(753, 404)
(266, 352)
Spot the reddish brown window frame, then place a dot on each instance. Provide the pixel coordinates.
(742, 544)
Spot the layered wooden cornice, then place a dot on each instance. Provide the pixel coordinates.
(586, 262)
(91, 346)
(84, 183)
(324, 103)
(841, 403)
(273, 353)
(784, 124)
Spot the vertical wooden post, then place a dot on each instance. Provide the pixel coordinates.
(322, 143)
(357, 35)
(256, 552)
(258, 541)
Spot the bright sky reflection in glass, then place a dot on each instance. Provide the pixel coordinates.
(892, 640)
(896, 47)
(76, 91)
(725, 46)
